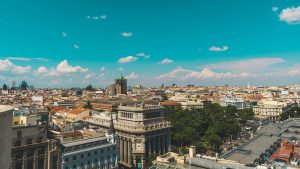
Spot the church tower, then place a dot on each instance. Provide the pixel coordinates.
(111, 135)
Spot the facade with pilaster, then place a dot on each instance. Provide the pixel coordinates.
(142, 132)
(30, 147)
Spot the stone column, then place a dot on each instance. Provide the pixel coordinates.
(166, 143)
(143, 162)
(129, 152)
(154, 143)
(149, 146)
(126, 151)
(163, 144)
(35, 161)
(158, 145)
(121, 149)
(46, 159)
(24, 160)
(134, 160)
(169, 142)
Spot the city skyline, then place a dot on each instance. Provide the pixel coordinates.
(76, 43)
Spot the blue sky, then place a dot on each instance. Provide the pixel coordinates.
(210, 42)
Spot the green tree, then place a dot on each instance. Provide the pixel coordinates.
(292, 112)
(204, 128)
(201, 147)
(4, 87)
(89, 88)
(24, 85)
(246, 114)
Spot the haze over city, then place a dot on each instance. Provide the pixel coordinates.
(76, 43)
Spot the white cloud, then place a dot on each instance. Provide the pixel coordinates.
(63, 68)
(127, 59)
(218, 49)
(248, 65)
(181, 74)
(27, 59)
(76, 46)
(290, 15)
(143, 55)
(132, 75)
(120, 69)
(103, 16)
(101, 76)
(127, 34)
(42, 70)
(64, 34)
(89, 76)
(40, 59)
(274, 9)
(165, 61)
(7, 66)
(102, 69)
(95, 17)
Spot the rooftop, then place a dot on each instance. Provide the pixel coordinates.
(4, 108)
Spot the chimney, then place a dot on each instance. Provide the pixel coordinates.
(192, 151)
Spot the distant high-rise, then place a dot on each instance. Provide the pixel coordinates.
(13, 84)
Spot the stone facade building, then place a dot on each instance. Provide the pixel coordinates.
(99, 152)
(6, 116)
(30, 147)
(119, 87)
(142, 131)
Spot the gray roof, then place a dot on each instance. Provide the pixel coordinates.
(201, 162)
(252, 151)
(82, 141)
(5, 108)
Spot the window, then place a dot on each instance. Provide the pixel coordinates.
(66, 167)
(66, 159)
(95, 152)
(74, 166)
(81, 155)
(89, 154)
(29, 141)
(17, 143)
(74, 157)
(19, 134)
